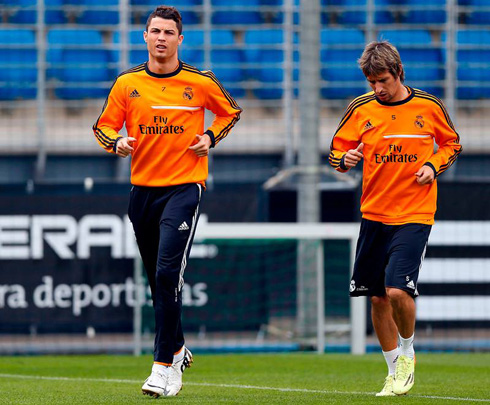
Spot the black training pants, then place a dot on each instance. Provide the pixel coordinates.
(164, 220)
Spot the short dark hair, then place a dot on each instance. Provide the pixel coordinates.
(379, 57)
(168, 13)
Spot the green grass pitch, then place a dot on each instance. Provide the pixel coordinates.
(302, 378)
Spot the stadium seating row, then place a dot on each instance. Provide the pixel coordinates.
(344, 12)
(241, 3)
(81, 63)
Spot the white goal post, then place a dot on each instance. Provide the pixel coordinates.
(311, 232)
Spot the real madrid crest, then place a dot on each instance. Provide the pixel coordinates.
(419, 121)
(188, 94)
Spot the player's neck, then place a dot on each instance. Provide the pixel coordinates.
(163, 67)
(401, 94)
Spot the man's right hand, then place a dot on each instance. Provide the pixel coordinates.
(125, 146)
(353, 156)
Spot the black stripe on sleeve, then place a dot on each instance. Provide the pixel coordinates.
(351, 108)
(427, 96)
(102, 140)
(451, 160)
(135, 69)
(211, 75)
(224, 132)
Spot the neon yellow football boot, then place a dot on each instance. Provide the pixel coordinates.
(387, 390)
(404, 375)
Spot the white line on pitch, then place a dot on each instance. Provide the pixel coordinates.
(251, 387)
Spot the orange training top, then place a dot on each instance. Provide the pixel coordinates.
(164, 112)
(398, 140)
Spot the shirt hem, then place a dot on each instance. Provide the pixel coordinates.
(426, 220)
(162, 185)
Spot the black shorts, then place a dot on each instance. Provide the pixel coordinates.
(388, 256)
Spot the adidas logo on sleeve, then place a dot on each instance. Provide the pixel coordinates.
(183, 226)
(368, 126)
(134, 93)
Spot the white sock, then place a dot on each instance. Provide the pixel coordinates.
(180, 355)
(159, 367)
(406, 347)
(390, 358)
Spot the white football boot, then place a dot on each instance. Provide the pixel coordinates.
(174, 380)
(156, 383)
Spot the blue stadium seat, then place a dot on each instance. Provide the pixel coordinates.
(92, 3)
(473, 37)
(18, 64)
(189, 10)
(225, 56)
(332, 2)
(276, 16)
(423, 64)
(272, 3)
(341, 48)
(16, 36)
(53, 14)
(78, 59)
(191, 50)
(235, 3)
(75, 36)
(236, 18)
(421, 60)
(175, 3)
(477, 16)
(264, 45)
(357, 15)
(473, 60)
(225, 62)
(138, 52)
(425, 12)
(98, 3)
(337, 36)
(98, 17)
(189, 17)
(406, 37)
(264, 49)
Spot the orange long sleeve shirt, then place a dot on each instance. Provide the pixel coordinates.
(398, 140)
(164, 112)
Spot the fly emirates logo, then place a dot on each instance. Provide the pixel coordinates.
(160, 126)
(395, 155)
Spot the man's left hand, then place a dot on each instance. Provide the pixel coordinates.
(425, 175)
(201, 148)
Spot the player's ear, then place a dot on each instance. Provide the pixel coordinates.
(145, 35)
(401, 73)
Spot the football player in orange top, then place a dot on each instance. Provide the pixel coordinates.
(392, 129)
(162, 104)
